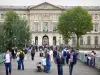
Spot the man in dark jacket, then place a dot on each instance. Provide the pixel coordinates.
(54, 55)
(32, 53)
(60, 63)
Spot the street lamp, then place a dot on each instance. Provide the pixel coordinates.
(25, 43)
(15, 41)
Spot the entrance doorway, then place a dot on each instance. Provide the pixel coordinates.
(54, 40)
(45, 40)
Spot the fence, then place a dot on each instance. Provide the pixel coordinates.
(91, 61)
(1, 60)
(97, 62)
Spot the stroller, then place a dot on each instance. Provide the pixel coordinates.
(39, 66)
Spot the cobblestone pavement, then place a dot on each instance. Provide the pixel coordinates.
(30, 68)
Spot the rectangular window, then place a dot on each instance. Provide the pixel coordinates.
(45, 26)
(24, 16)
(95, 16)
(96, 27)
(36, 26)
(54, 26)
(2, 16)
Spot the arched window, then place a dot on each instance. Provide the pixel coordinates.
(73, 41)
(96, 27)
(96, 40)
(36, 26)
(88, 40)
(36, 40)
(54, 40)
(81, 41)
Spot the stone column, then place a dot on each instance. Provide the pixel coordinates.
(40, 39)
(50, 39)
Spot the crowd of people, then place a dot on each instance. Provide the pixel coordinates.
(90, 58)
(59, 55)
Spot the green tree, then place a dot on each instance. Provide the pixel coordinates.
(2, 38)
(77, 20)
(63, 27)
(16, 30)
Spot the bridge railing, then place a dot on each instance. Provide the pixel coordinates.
(90, 60)
(1, 60)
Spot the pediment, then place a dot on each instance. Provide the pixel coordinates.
(45, 5)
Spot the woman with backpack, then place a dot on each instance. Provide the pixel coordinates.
(21, 55)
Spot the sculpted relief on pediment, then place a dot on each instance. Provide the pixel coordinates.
(45, 6)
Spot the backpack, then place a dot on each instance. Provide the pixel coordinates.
(64, 53)
(21, 56)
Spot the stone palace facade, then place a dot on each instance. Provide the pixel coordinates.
(43, 19)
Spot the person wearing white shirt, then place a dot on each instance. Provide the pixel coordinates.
(51, 55)
(7, 61)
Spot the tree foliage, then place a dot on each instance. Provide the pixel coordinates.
(2, 38)
(63, 27)
(77, 21)
(16, 30)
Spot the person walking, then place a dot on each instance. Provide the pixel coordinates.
(72, 61)
(60, 63)
(54, 55)
(64, 53)
(7, 61)
(51, 55)
(48, 62)
(17, 57)
(21, 59)
(32, 53)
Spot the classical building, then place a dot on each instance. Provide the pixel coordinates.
(43, 19)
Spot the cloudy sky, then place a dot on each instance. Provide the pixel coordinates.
(56, 2)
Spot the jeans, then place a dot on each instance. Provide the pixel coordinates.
(48, 66)
(18, 65)
(60, 69)
(71, 68)
(54, 58)
(8, 67)
(21, 63)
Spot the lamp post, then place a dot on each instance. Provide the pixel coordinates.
(84, 45)
(15, 40)
(25, 43)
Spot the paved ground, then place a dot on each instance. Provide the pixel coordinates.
(30, 68)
